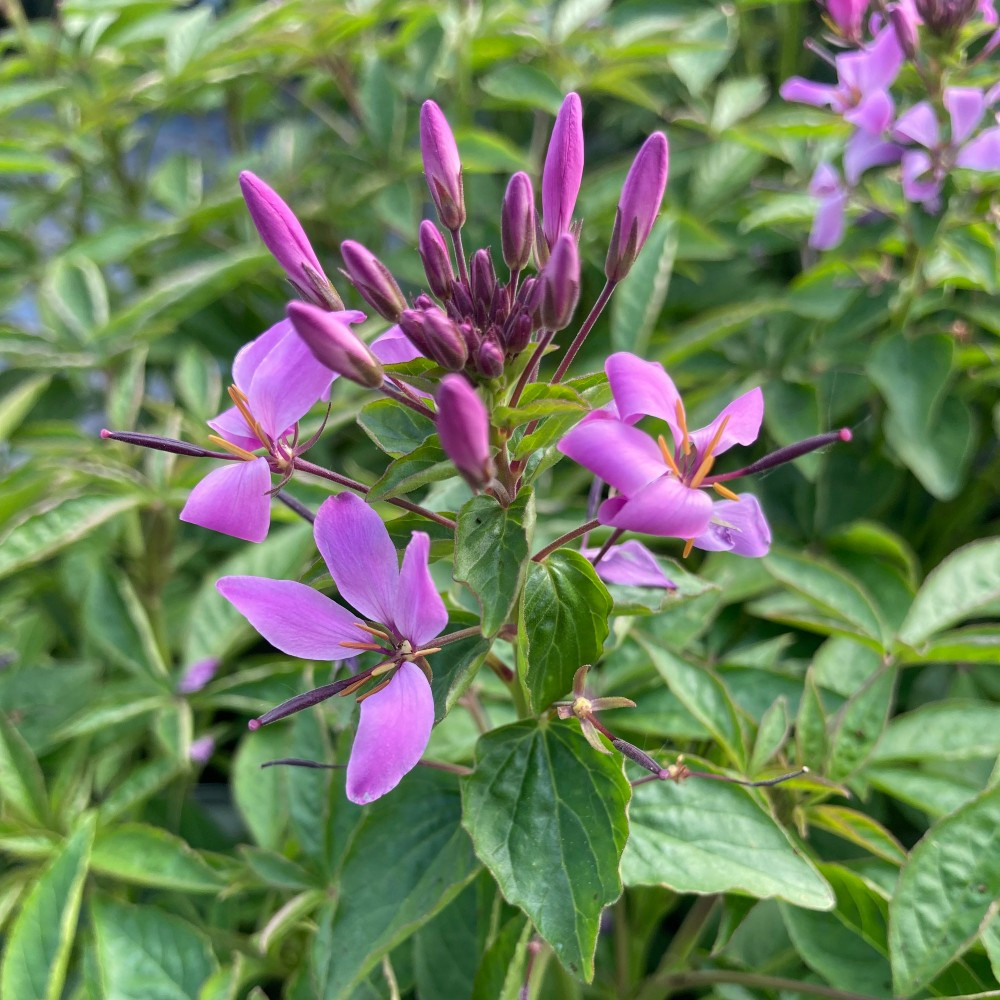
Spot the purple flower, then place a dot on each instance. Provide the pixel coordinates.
(659, 487)
(397, 715)
(848, 17)
(464, 429)
(201, 749)
(442, 166)
(828, 224)
(197, 675)
(863, 77)
(563, 170)
(630, 564)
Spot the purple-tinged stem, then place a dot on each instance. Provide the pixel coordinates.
(402, 397)
(306, 700)
(165, 444)
(463, 268)
(563, 539)
(464, 633)
(588, 324)
(783, 455)
(612, 538)
(300, 508)
(440, 765)
(532, 366)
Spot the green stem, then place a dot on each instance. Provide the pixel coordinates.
(662, 986)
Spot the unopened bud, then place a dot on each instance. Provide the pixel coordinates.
(464, 429)
(517, 222)
(560, 284)
(437, 260)
(442, 167)
(334, 344)
(489, 359)
(903, 18)
(848, 18)
(435, 336)
(638, 207)
(517, 333)
(372, 279)
(944, 17)
(563, 170)
(482, 277)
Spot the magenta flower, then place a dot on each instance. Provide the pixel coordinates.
(396, 715)
(464, 429)
(848, 16)
(630, 564)
(828, 223)
(660, 488)
(563, 170)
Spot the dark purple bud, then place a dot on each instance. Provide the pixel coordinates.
(334, 344)
(442, 167)
(517, 222)
(437, 260)
(470, 335)
(435, 336)
(944, 17)
(372, 279)
(563, 170)
(527, 295)
(517, 333)
(464, 429)
(560, 284)
(489, 359)
(424, 301)
(482, 277)
(902, 17)
(638, 206)
(462, 299)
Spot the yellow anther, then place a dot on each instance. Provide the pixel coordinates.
(668, 456)
(233, 449)
(362, 645)
(724, 491)
(382, 668)
(688, 546)
(239, 398)
(709, 459)
(682, 420)
(373, 631)
(427, 651)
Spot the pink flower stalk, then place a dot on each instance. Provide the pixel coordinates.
(396, 715)
(563, 170)
(660, 488)
(334, 346)
(284, 236)
(630, 564)
(848, 17)
(464, 429)
(442, 167)
(638, 206)
(828, 224)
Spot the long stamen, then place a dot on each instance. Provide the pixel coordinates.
(688, 546)
(364, 645)
(787, 454)
(233, 449)
(374, 690)
(724, 491)
(371, 630)
(709, 460)
(242, 404)
(668, 456)
(307, 700)
(682, 420)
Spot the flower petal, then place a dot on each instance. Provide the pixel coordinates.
(919, 124)
(881, 61)
(919, 183)
(231, 425)
(804, 91)
(419, 613)
(292, 617)
(743, 417)
(394, 347)
(233, 499)
(393, 731)
(828, 223)
(360, 555)
(864, 151)
(623, 456)
(642, 388)
(965, 106)
(249, 357)
(873, 112)
(664, 507)
(983, 153)
(630, 564)
(737, 526)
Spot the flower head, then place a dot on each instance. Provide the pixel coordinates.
(585, 709)
(402, 601)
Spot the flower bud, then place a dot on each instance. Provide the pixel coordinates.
(560, 284)
(284, 236)
(464, 429)
(517, 222)
(470, 335)
(442, 167)
(461, 299)
(848, 17)
(489, 359)
(944, 17)
(903, 18)
(372, 279)
(517, 333)
(482, 277)
(638, 206)
(435, 336)
(334, 345)
(563, 170)
(437, 260)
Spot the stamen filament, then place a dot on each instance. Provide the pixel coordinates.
(709, 460)
(242, 403)
(668, 456)
(682, 420)
(371, 630)
(374, 690)
(688, 545)
(233, 449)
(724, 491)
(364, 645)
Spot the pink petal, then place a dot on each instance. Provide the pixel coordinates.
(828, 225)
(983, 153)
(360, 555)
(743, 417)
(233, 499)
(394, 347)
(630, 564)
(873, 113)
(623, 456)
(642, 388)
(882, 61)
(737, 526)
(965, 106)
(918, 184)
(250, 356)
(864, 151)
(807, 91)
(292, 617)
(231, 425)
(664, 507)
(419, 613)
(393, 731)
(919, 124)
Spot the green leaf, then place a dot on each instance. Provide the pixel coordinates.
(17, 403)
(22, 786)
(427, 463)
(857, 828)
(396, 429)
(708, 836)
(811, 725)
(501, 971)
(942, 731)
(147, 855)
(145, 953)
(945, 891)
(736, 99)
(772, 732)
(705, 697)
(41, 937)
(455, 667)
(857, 726)
(44, 534)
(639, 299)
(262, 795)
(75, 292)
(492, 546)
(538, 401)
(960, 586)
(973, 644)
(407, 860)
(563, 622)
(547, 816)
(523, 85)
(186, 37)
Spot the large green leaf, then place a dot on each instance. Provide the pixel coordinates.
(708, 836)
(407, 860)
(942, 731)
(147, 855)
(39, 943)
(945, 891)
(454, 669)
(22, 786)
(547, 816)
(396, 429)
(857, 726)
(492, 546)
(563, 623)
(964, 582)
(427, 463)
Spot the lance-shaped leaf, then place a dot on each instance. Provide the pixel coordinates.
(492, 546)
(547, 817)
(425, 464)
(563, 624)
(22, 786)
(396, 429)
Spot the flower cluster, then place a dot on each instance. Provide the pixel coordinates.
(925, 144)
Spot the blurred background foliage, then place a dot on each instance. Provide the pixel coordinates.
(130, 275)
